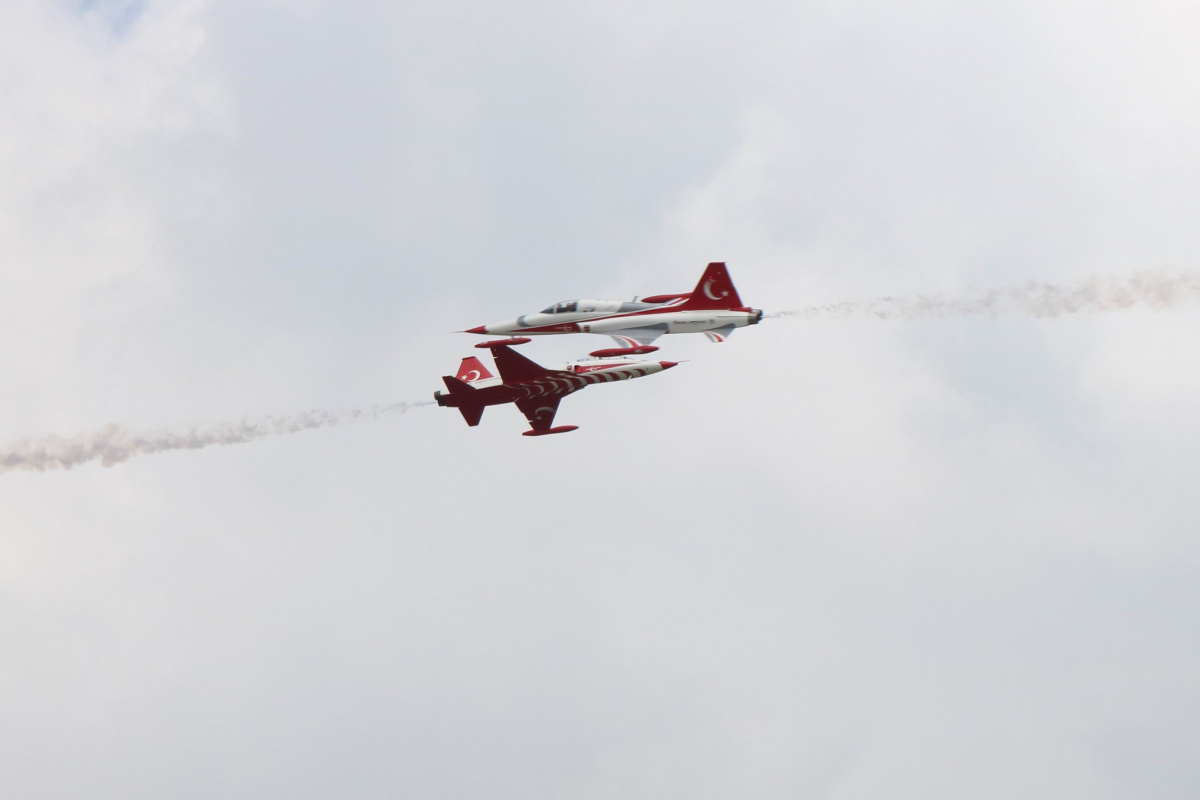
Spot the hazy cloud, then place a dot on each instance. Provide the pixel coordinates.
(1157, 290)
(956, 556)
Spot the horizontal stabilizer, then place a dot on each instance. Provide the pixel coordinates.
(719, 334)
(456, 386)
(472, 414)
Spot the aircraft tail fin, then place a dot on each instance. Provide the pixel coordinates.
(715, 290)
(472, 369)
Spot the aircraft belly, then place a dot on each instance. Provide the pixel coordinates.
(605, 325)
(698, 322)
(674, 322)
(692, 322)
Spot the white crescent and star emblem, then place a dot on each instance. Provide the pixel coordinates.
(708, 290)
(473, 375)
(538, 414)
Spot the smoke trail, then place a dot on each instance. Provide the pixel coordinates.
(113, 444)
(1158, 289)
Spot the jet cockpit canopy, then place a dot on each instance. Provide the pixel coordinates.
(562, 308)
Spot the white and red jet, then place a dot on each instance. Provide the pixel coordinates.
(712, 308)
(535, 389)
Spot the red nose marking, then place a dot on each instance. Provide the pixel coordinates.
(669, 364)
(479, 329)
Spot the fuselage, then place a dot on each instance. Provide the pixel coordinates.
(611, 317)
(559, 382)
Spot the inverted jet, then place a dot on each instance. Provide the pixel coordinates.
(712, 308)
(534, 389)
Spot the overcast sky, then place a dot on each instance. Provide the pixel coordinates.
(838, 559)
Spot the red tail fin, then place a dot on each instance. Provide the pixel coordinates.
(472, 369)
(715, 290)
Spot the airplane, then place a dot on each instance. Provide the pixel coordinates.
(712, 308)
(535, 389)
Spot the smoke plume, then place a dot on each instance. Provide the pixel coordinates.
(1158, 290)
(113, 444)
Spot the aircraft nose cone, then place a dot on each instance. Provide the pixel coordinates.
(669, 364)
(477, 329)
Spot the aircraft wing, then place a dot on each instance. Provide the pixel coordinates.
(635, 337)
(513, 366)
(539, 411)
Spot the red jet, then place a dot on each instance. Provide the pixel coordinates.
(712, 308)
(535, 389)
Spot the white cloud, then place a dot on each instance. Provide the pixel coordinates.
(825, 559)
(81, 242)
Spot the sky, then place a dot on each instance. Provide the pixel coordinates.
(830, 558)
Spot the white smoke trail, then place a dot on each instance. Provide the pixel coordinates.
(1158, 290)
(113, 444)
